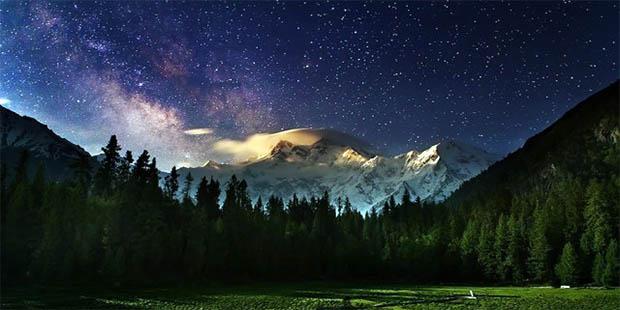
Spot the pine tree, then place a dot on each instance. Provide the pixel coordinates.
(502, 236)
(275, 208)
(566, 268)
(124, 169)
(597, 227)
(187, 187)
(82, 168)
(598, 268)
(611, 273)
(571, 193)
(153, 175)
(347, 205)
(140, 172)
(339, 205)
(386, 209)
(258, 207)
(390, 209)
(171, 183)
(201, 193)
(406, 199)
(244, 197)
(294, 208)
(230, 201)
(108, 171)
(468, 248)
(322, 228)
(392, 202)
(516, 248)
(486, 253)
(538, 261)
(212, 205)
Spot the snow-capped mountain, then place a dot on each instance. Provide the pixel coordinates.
(304, 161)
(310, 161)
(19, 133)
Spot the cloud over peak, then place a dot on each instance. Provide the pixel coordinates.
(261, 144)
(198, 131)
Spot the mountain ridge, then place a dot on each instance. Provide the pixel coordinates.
(366, 178)
(552, 146)
(18, 133)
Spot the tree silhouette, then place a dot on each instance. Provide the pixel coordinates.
(107, 173)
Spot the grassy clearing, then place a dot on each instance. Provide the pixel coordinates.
(311, 296)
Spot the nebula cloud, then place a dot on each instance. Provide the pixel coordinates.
(143, 123)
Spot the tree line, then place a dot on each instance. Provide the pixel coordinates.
(121, 224)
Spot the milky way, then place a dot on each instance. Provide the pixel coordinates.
(176, 78)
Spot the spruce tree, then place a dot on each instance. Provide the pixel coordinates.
(187, 188)
(516, 248)
(171, 183)
(468, 248)
(406, 199)
(82, 171)
(244, 197)
(392, 202)
(567, 269)
(486, 253)
(598, 269)
(538, 260)
(258, 207)
(108, 171)
(386, 209)
(153, 175)
(611, 273)
(597, 222)
(230, 201)
(502, 236)
(124, 169)
(597, 229)
(140, 169)
(213, 199)
(202, 194)
(347, 205)
(275, 208)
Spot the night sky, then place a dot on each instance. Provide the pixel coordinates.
(176, 77)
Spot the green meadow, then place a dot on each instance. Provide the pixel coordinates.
(311, 296)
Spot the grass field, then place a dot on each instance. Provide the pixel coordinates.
(311, 296)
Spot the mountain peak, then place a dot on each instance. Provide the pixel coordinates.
(318, 136)
(459, 157)
(211, 164)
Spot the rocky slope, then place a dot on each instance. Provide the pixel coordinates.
(18, 133)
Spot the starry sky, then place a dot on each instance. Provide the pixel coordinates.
(177, 77)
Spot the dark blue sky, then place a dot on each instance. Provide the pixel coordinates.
(399, 75)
